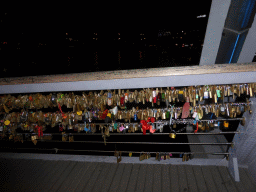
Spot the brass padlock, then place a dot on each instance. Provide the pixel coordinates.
(203, 126)
(184, 157)
(211, 125)
(172, 135)
(157, 156)
(243, 121)
(238, 111)
(120, 157)
(163, 115)
(71, 138)
(217, 111)
(249, 109)
(200, 126)
(136, 128)
(142, 156)
(226, 124)
(207, 126)
(187, 157)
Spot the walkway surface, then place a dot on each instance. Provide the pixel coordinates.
(62, 175)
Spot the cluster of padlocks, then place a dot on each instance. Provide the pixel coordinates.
(110, 106)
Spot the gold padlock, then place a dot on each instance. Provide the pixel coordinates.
(157, 156)
(163, 115)
(184, 157)
(238, 112)
(203, 126)
(243, 122)
(226, 124)
(249, 109)
(207, 126)
(172, 135)
(142, 157)
(200, 126)
(187, 157)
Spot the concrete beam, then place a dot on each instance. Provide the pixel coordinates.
(249, 47)
(133, 79)
(213, 34)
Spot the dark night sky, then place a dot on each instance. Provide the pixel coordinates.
(41, 52)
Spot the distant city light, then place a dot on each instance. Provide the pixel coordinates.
(201, 16)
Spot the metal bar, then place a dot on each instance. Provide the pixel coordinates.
(219, 133)
(123, 151)
(141, 142)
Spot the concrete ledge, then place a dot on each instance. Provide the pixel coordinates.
(112, 159)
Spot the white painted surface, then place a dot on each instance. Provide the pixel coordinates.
(133, 83)
(213, 34)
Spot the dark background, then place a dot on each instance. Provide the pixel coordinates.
(145, 36)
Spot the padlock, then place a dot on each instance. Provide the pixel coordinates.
(226, 124)
(187, 157)
(157, 156)
(54, 99)
(249, 108)
(243, 121)
(216, 125)
(184, 157)
(119, 159)
(172, 135)
(203, 127)
(207, 126)
(161, 128)
(211, 125)
(142, 156)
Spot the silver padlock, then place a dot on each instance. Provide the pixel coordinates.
(216, 125)
(222, 108)
(161, 128)
(153, 126)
